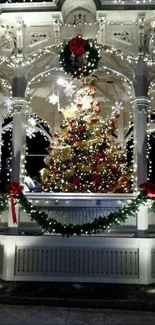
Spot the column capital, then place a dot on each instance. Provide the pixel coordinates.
(141, 103)
(20, 105)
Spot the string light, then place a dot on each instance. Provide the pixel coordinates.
(149, 132)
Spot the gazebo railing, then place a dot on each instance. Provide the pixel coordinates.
(82, 208)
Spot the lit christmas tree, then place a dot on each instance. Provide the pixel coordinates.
(85, 156)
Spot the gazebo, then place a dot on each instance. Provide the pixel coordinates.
(30, 39)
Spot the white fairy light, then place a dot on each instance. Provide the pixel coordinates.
(53, 99)
(61, 82)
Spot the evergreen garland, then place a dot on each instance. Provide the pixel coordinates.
(50, 225)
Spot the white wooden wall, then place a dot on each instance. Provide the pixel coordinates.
(82, 259)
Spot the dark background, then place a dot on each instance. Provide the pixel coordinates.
(36, 150)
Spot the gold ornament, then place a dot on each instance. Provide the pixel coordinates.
(69, 173)
(84, 168)
(62, 153)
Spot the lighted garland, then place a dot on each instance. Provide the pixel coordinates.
(50, 225)
(79, 57)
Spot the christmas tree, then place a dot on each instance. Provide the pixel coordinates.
(85, 156)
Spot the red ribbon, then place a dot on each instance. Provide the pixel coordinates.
(14, 189)
(13, 210)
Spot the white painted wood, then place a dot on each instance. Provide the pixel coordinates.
(18, 145)
(82, 259)
(142, 221)
(8, 244)
(145, 261)
(78, 209)
(13, 227)
(140, 106)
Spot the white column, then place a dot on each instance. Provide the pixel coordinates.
(19, 139)
(140, 107)
(18, 151)
(9, 258)
(145, 261)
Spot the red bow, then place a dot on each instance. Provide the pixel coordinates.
(77, 46)
(149, 188)
(14, 189)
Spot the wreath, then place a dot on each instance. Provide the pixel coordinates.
(79, 57)
(50, 225)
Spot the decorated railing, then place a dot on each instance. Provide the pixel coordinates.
(100, 258)
(79, 209)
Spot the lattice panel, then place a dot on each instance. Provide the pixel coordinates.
(1, 258)
(77, 261)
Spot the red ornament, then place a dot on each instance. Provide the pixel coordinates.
(56, 135)
(96, 178)
(119, 148)
(77, 46)
(81, 128)
(99, 156)
(117, 115)
(76, 180)
(112, 125)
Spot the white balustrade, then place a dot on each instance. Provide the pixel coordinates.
(81, 208)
